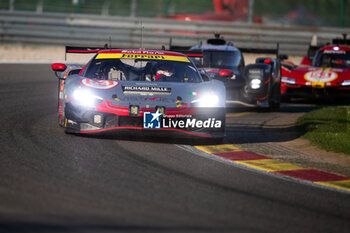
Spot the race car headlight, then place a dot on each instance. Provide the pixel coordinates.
(86, 98)
(255, 83)
(346, 83)
(207, 101)
(288, 80)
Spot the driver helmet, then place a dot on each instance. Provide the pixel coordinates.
(164, 69)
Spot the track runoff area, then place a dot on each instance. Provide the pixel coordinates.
(237, 156)
(263, 163)
(234, 155)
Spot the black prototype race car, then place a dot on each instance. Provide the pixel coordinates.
(256, 84)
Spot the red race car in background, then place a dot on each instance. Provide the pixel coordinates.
(328, 75)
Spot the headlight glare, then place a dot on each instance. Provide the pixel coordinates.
(255, 83)
(85, 98)
(288, 80)
(207, 101)
(346, 83)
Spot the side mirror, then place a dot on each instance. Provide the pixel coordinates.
(283, 57)
(226, 73)
(205, 77)
(58, 67)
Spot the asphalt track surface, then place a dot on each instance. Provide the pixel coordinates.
(53, 182)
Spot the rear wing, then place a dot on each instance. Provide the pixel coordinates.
(186, 50)
(341, 41)
(71, 49)
(261, 51)
(189, 53)
(220, 41)
(75, 49)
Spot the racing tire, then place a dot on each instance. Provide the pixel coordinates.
(274, 105)
(275, 97)
(285, 98)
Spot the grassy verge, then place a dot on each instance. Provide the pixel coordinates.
(327, 128)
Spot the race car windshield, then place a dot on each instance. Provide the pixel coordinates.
(220, 59)
(142, 70)
(336, 60)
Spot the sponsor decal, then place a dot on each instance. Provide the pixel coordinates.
(131, 51)
(195, 93)
(153, 120)
(320, 76)
(334, 51)
(141, 56)
(132, 98)
(178, 103)
(191, 123)
(146, 90)
(159, 98)
(255, 71)
(99, 84)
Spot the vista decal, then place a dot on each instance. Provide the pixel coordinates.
(320, 76)
(99, 84)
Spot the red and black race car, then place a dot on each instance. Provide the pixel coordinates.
(328, 75)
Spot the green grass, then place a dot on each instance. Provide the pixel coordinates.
(327, 128)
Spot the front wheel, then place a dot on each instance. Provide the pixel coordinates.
(274, 105)
(275, 96)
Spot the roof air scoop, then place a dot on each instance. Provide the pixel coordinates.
(341, 41)
(217, 40)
